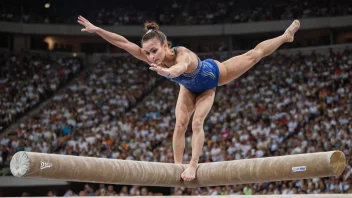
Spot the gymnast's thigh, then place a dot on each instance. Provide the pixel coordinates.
(185, 106)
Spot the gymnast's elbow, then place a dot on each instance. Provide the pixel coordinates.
(177, 70)
(182, 68)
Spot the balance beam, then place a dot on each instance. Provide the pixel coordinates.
(113, 171)
(236, 196)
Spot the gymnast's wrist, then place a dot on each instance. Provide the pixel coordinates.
(168, 74)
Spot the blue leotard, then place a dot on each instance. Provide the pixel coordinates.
(206, 76)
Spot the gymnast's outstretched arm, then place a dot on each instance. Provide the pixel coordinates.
(115, 39)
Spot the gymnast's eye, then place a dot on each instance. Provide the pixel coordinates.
(154, 51)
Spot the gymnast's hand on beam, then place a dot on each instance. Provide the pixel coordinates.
(88, 26)
(160, 70)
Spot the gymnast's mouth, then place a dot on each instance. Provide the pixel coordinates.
(157, 62)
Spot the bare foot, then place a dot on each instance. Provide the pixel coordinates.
(190, 173)
(291, 30)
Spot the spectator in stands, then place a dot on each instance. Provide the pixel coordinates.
(175, 13)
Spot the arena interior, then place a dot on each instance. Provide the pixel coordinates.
(68, 92)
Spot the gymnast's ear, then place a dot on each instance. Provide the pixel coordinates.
(165, 45)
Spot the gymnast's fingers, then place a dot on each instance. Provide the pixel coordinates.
(153, 68)
(81, 22)
(83, 19)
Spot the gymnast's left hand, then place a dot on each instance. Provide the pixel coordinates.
(160, 70)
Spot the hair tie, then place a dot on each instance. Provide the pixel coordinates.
(149, 31)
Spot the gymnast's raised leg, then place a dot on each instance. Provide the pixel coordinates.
(236, 66)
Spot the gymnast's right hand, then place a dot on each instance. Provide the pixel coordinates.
(88, 26)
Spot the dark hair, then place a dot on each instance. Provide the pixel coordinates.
(152, 31)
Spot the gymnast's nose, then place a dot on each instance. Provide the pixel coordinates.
(152, 57)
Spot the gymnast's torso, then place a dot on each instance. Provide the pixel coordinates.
(204, 77)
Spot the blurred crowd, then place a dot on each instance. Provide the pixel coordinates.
(284, 105)
(176, 12)
(26, 79)
(109, 12)
(103, 190)
(77, 118)
(239, 11)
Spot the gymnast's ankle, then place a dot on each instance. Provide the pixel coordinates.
(193, 162)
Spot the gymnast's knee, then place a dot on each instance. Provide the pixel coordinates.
(255, 55)
(197, 125)
(180, 128)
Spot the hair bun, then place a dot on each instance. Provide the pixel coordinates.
(151, 26)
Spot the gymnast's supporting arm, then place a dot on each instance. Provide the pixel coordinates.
(183, 60)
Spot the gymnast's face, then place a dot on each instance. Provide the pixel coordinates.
(154, 50)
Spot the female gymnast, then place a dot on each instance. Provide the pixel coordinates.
(197, 79)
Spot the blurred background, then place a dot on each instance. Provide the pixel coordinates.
(72, 93)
